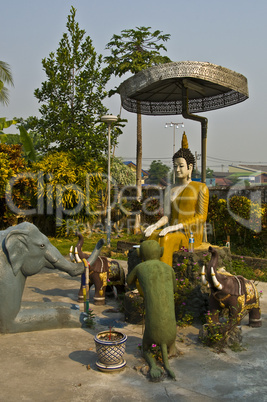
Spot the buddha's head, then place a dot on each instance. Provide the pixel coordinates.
(183, 161)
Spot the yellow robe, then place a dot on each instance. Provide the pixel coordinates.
(190, 208)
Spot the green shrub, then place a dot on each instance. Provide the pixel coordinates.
(243, 239)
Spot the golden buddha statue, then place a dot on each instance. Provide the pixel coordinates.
(189, 208)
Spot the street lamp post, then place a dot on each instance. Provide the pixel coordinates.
(174, 125)
(108, 119)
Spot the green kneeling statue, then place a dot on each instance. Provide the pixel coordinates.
(158, 283)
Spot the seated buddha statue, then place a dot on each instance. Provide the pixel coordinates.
(189, 207)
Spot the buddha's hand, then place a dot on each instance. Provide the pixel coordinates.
(169, 229)
(150, 229)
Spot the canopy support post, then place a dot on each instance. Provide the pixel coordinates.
(204, 129)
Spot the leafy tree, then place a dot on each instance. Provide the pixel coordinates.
(158, 171)
(72, 97)
(132, 51)
(209, 173)
(5, 78)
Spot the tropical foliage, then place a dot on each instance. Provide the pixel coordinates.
(23, 139)
(4, 123)
(121, 174)
(57, 186)
(238, 219)
(5, 78)
(15, 192)
(70, 190)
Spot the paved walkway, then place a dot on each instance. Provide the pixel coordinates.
(59, 365)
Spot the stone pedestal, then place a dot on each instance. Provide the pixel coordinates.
(231, 338)
(188, 266)
(197, 259)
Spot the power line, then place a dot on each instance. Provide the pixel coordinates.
(156, 158)
(233, 161)
(210, 158)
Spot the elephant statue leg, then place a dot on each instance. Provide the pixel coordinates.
(100, 282)
(255, 318)
(214, 316)
(99, 279)
(215, 308)
(235, 313)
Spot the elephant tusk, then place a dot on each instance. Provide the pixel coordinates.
(203, 276)
(77, 258)
(71, 254)
(216, 283)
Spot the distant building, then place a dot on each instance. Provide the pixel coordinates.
(222, 179)
(144, 173)
(256, 174)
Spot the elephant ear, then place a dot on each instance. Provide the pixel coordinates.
(17, 248)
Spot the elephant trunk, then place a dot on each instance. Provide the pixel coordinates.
(92, 258)
(79, 246)
(77, 269)
(212, 270)
(79, 255)
(71, 268)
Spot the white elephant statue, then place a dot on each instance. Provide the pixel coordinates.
(24, 251)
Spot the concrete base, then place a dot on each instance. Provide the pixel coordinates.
(37, 316)
(60, 364)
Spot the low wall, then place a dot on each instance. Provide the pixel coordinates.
(225, 191)
(252, 262)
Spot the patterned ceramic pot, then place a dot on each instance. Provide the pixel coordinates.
(110, 347)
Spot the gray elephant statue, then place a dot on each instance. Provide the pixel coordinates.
(233, 292)
(24, 251)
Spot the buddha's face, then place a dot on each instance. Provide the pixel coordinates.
(182, 171)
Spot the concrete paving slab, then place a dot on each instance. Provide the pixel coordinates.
(59, 365)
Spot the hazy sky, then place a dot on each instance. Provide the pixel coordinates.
(230, 33)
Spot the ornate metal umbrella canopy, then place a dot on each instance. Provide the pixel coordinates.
(184, 87)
